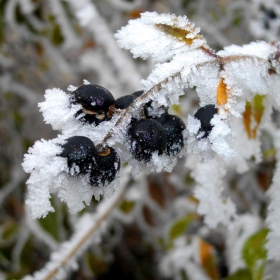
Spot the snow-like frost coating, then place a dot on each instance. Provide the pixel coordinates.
(144, 39)
(183, 256)
(213, 206)
(49, 174)
(273, 216)
(56, 109)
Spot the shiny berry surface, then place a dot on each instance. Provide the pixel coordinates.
(124, 101)
(96, 101)
(146, 137)
(137, 93)
(108, 165)
(173, 126)
(80, 153)
(205, 115)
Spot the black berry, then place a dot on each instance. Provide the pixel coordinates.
(138, 93)
(124, 101)
(148, 104)
(96, 101)
(146, 137)
(174, 127)
(108, 165)
(80, 153)
(205, 115)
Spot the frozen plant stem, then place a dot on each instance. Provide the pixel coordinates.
(103, 211)
(222, 61)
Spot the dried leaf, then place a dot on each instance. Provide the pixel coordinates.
(136, 13)
(222, 93)
(148, 216)
(207, 258)
(252, 115)
(178, 33)
(157, 193)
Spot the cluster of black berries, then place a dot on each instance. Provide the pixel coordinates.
(81, 153)
(146, 135)
(83, 158)
(163, 134)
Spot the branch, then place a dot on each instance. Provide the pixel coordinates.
(140, 101)
(88, 224)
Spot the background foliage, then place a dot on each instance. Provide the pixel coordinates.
(44, 44)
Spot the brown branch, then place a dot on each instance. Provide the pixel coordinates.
(218, 60)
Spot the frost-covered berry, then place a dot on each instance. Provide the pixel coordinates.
(205, 115)
(146, 137)
(108, 165)
(80, 153)
(124, 101)
(95, 100)
(148, 104)
(174, 127)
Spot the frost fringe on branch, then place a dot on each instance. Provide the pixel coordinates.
(88, 231)
(235, 79)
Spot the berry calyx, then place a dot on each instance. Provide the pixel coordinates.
(146, 137)
(205, 115)
(108, 165)
(80, 153)
(174, 127)
(95, 100)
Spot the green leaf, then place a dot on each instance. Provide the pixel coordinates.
(179, 227)
(96, 265)
(50, 225)
(56, 35)
(254, 253)
(127, 206)
(242, 274)
(9, 229)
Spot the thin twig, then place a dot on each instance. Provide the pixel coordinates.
(110, 207)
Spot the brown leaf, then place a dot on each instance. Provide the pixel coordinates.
(148, 216)
(207, 258)
(222, 93)
(136, 13)
(156, 193)
(253, 112)
(178, 33)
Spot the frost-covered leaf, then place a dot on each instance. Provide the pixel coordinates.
(160, 36)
